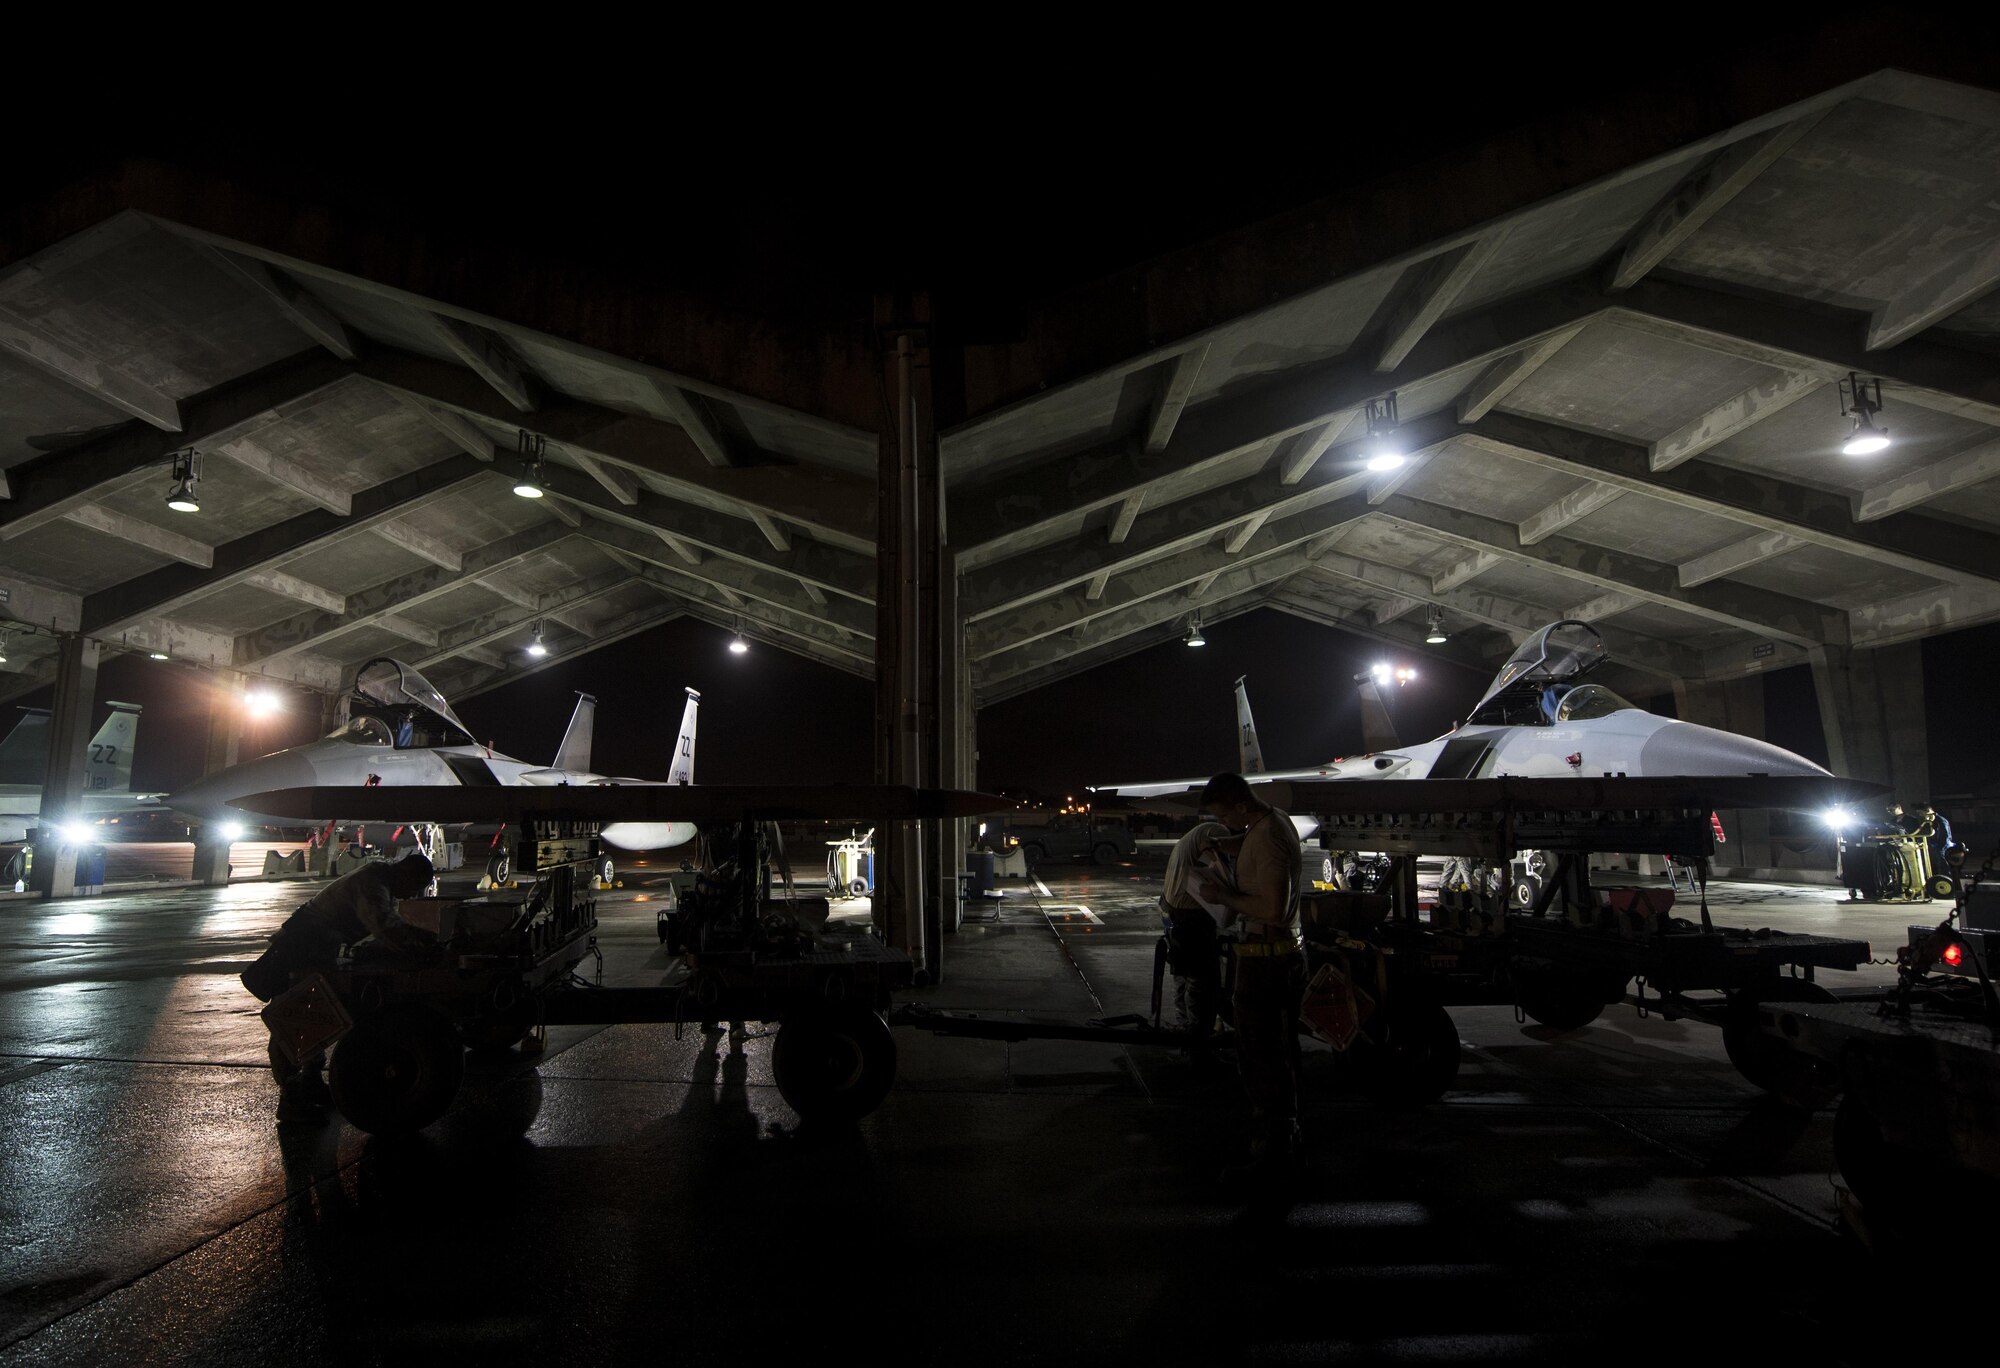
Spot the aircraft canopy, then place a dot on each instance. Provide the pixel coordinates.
(1561, 653)
(397, 693)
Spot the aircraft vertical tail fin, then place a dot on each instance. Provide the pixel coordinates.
(1378, 733)
(24, 754)
(683, 768)
(1249, 755)
(108, 767)
(574, 752)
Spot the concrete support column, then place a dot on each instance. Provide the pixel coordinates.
(224, 748)
(1871, 703)
(910, 638)
(54, 862)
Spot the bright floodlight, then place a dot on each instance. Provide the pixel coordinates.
(182, 499)
(1385, 460)
(74, 832)
(1195, 638)
(1839, 818)
(528, 489)
(262, 703)
(231, 831)
(1867, 439)
(1383, 674)
(156, 655)
(1405, 675)
(537, 648)
(737, 645)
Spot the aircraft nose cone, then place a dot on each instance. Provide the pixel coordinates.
(1684, 748)
(207, 800)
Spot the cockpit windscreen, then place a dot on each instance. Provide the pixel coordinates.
(415, 711)
(1561, 653)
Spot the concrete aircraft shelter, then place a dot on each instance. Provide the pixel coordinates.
(1616, 342)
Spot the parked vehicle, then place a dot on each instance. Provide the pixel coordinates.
(1078, 836)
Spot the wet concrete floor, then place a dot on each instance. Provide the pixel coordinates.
(630, 1196)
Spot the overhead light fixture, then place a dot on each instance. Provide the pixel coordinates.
(1861, 401)
(737, 645)
(1434, 633)
(1405, 674)
(187, 474)
(1194, 636)
(156, 655)
(1385, 443)
(536, 646)
(532, 447)
(263, 702)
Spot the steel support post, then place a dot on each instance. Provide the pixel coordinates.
(224, 748)
(54, 860)
(1871, 705)
(909, 540)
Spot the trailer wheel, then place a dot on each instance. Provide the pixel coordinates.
(834, 1065)
(1785, 1073)
(1562, 1001)
(1526, 889)
(397, 1070)
(1942, 887)
(859, 888)
(493, 1034)
(1412, 1057)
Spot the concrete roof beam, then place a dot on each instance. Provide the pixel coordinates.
(86, 374)
(288, 297)
(1175, 387)
(1579, 503)
(419, 544)
(1504, 376)
(1737, 556)
(1962, 280)
(139, 532)
(489, 357)
(1717, 181)
(1733, 415)
(1914, 488)
(1435, 287)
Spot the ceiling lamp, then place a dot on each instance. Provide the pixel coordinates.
(1434, 633)
(1194, 636)
(531, 447)
(1385, 445)
(737, 645)
(187, 474)
(263, 703)
(1861, 400)
(536, 647)
(156, 655)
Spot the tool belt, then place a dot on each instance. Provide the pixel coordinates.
(1262, 948)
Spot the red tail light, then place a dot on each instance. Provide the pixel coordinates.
(1954, 954)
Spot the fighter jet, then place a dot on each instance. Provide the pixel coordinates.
(401, 733)
(107, 773)
(1538, 720)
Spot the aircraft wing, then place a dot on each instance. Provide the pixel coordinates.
(621, 803)
(1693, 793)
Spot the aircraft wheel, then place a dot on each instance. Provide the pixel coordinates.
(500, 866)
(834, 1065)
(1562, 1001)
(397, 1070)
(1527, 888)
(1411, 1057)
(607, 870)
(1791, 1077)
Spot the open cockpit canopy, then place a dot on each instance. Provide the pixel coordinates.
(391, 695)
(1547, 663)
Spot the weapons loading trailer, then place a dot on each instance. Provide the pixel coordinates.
(399, 1019)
